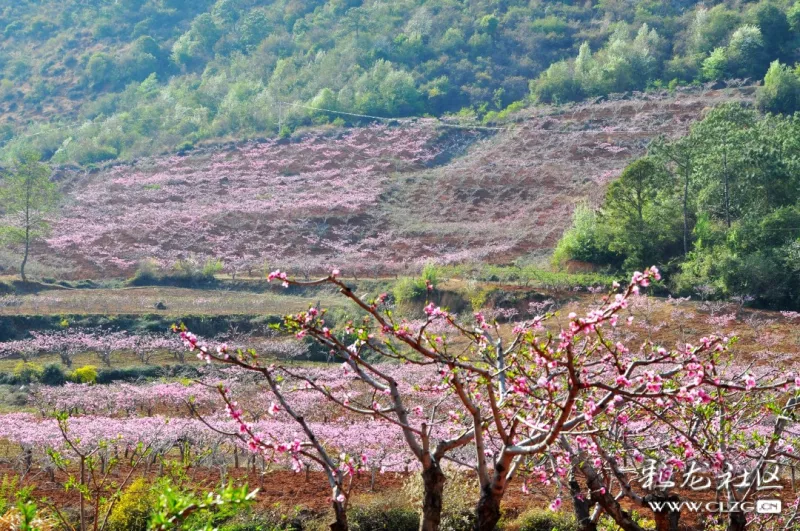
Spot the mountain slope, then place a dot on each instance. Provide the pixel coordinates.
(380, 199)
(86, 82)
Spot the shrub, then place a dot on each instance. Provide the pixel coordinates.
(53, 375)
(541, 520)
(781, 90)
(85, 374)
(793, 16)
(430, 274)
(99, 68)
(89, 154)
(557, 84)
(132, 510)
(715, 65)
(8, 489)
(129, 374)
(211, 268)
(146, 272)
(408, 289)
(586, 241)
(377, 518)
(606, 523)
(191, 271)
(27, 372)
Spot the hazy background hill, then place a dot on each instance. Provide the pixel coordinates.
(89, 81)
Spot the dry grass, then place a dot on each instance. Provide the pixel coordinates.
(178, 301)
(765, 337)
(513, 194)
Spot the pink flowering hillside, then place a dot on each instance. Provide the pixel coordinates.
(361, 198)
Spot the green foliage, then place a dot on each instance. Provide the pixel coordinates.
(53, 375)
(746, 52)
(369, 518)
(91, 153)
(716, 65)
(99, 69)
(133, 374)
(84, 375)
(780, 92)
(711, 28)
(430, 275)
(147, 272)
(636, 224)
(587, 240)
(625, 63)
(557, 85)
(8, 490)
(793, 17)
(178, 509)
(733, 181)
(408, 289)
(211, 267)
(132, 510)
(774, 25)
(640, 212)
(27, 195)
(27, 372)
(186, 272)
(541, 520)
(158, 74)
(607, 523)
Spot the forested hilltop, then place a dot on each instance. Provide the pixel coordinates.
(86, 81)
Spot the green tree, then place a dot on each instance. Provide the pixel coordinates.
(557, 84)
(711, 28)
(489, 24)
(678, 158)
(640, 209)
(780, 92)
(205, 31)
(255, 27)
(793, 17)
(747, 52)
(587, 240)
(99, 68)
(629, 196)
(716, 65)
(453, 39)
(27, 196)
(774, 26)
(723, 139)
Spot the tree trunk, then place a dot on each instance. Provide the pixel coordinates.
(667, 519)
(488, 510)
(340, 524)
(737, 522)
(601, 496)
(82, 498)
(583, 514)
(727, 187)
(433, 483)
(686, 212)
(25, 257)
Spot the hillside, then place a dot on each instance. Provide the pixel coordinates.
(374, 200)
(86, 82)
